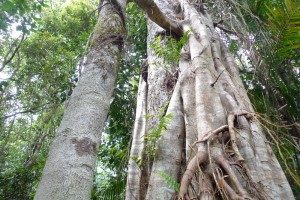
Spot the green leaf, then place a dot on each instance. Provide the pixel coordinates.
(172, 183)
(8, 6)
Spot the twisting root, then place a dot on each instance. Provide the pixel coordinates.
(210, 134)
(230, 119)
(231, 193)
(216, 151)
(218, 162)
(205, 187)
(189, 173)
(220, 181)
(221, 161)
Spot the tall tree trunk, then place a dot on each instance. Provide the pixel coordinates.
(214, 144)
(68, 173)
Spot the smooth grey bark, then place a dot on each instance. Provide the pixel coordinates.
(134, 171)
(68, 173)
(169, 146)
(214, 142)
(153, 100)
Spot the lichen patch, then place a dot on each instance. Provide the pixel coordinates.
(84, 146)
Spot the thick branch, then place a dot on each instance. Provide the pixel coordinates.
(155, 14)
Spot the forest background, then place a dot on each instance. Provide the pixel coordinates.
(44, 46)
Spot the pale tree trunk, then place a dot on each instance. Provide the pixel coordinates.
(134, 172)
(214, 145)
(149, 102)
(68, 173)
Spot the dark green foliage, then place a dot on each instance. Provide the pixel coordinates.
(233, 46)
(23, 153)
(136, 30)
(39, 79)
(110, 188)
(18, 184)
(23, 12)
(113, 151)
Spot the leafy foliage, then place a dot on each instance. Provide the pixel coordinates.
(170, 51)
(22, 12)
(18, 184)
(38, 80)
(109, 188)
(155, 133)
(282, 20)
(136, 32)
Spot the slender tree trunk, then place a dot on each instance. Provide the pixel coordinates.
(68, 173)
(134, 172)
(214, 145)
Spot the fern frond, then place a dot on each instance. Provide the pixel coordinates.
(172, 183)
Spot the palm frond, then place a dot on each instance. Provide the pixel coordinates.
(284, 24)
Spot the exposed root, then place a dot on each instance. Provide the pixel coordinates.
(212, 169)
(206, 190)
(220, 181)
(210, 134)
(189, 173)
(228, 184)
(221, 161)
(231, 193)
(230, 120)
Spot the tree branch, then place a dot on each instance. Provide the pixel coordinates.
(155, 14)
(226, 30)
(8, 60)
(30, 110)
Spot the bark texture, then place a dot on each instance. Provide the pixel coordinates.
(214, 145)
(158, 76)
(68, 173)
(134, 172)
